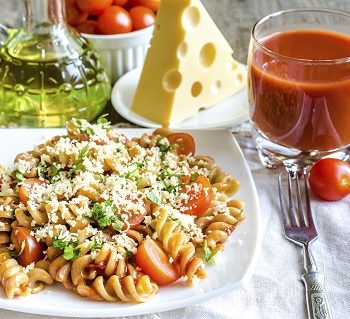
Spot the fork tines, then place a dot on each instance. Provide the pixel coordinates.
(296, 211)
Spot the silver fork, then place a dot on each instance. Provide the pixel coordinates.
(300, 229)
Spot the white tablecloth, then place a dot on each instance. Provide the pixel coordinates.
(275, 289)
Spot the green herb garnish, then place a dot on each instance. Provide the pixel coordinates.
(70, 250)
(18, 176)
(209, 255)
(104, 214)
(153, 197)
(102, 122)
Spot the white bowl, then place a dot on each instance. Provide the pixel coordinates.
(122, 52)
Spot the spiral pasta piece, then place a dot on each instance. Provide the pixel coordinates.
(37, 279)
(12, 276)
(177, 244)
(6, 218)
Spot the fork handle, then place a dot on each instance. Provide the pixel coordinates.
(316, 298)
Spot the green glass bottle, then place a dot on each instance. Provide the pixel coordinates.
(48, 72)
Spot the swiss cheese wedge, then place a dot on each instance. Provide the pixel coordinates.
(189, 65)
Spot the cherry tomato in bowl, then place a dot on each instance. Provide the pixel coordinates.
(329, 179)
(154, 262)
(94, 7)
(27, 247)
(141, 17)
(152, 4)
(114, 20)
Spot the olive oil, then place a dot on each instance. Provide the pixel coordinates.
(44, 82)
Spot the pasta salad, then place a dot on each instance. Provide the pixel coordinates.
(112, 218)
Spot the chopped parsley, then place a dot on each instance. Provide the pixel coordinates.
(153, 197)
(70, 250)
(18, 176)
(209, 255)
(55, 170)
(96, 245)
(102, 122)
(104, 214)
(84, 152)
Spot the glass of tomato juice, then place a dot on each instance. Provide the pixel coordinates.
(299, 86)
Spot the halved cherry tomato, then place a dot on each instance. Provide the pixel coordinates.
(74, 15)
(115, 20)
(329, 179)
(152, 4)
(154, 262)
(94, 6)
(200, 195)
(185, 143)
(25, 188)
(32, 251)
(88, 26)
(141, 17)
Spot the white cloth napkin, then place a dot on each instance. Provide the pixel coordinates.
(275, 289)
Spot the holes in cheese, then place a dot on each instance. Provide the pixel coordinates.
(189, 65)
(207, 55)
(216, 87)
(196, 89)
(182, 50)
(190, 18)
(172, 80)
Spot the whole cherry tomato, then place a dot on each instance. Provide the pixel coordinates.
(115, 20)
(28, 248)
(88, 26)
(185, 143)
(74, 15)
(152, 4)
(154, 262)
(329, 179)
(26, 187)
(200, 195)
(141, 17)
(120, 2)
(94, 7)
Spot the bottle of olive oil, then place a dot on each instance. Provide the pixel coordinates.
(48, 72)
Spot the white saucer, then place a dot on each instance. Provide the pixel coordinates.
(226, 114)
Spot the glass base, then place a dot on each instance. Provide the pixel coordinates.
(273, 155)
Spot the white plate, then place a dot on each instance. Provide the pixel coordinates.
(226, 114)
(234, 266)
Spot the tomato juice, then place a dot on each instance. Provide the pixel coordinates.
(299, 89)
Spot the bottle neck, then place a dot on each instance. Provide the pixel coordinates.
(42, 15)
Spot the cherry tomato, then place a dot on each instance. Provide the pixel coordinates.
(29, 251)
(120, 2)
(141, 17)
(154, 262)
(94, 7)
(74, 15)
(132, 3)
(184, 141)
(115, 20)
(89, 26)
(199, 200)
(152, 4)
(26, 186)
(136, 219)
(330, 179)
